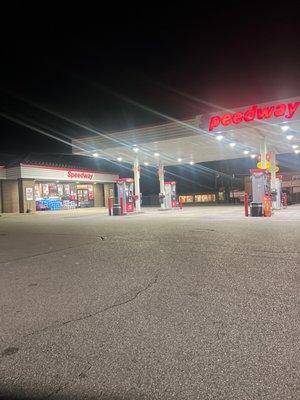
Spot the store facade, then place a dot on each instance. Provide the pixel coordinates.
(30, 188)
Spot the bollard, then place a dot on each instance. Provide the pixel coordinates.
(246, 198)
(180, 203)
(109, 206)
(122, 205)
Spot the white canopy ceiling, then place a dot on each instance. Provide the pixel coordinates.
(184, 142)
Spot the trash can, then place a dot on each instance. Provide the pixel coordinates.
(256, 210)
(117, 209)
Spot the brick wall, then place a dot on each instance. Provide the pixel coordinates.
(10, 196)
(98, 195)
(108, 190)
(25, 203)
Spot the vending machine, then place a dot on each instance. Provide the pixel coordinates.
(170, 195)
(125, 194)
(260, 191)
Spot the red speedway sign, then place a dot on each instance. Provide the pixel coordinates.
(80, 175)
(281, 110)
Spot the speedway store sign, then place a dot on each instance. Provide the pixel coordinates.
(80, 175)
(64, 174)
(282, 111)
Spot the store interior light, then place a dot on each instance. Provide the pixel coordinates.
(219, 137)
(77, 183)
(232, 144)
(156, 154)
(246, 151)
(192, 162)
(295, 146)
(135, 149)
(253, 155)
(285, 128)
(179, 159)
(297, 151)
(57, 181)
(95, 155)
(146, 163)
(290, 137)
(119, 158)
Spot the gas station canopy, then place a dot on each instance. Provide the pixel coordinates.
(221, 135)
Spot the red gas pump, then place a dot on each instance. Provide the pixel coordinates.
(170, 195)
(125, 194)
(284, 200)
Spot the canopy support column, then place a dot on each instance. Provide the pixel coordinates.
(136, 172)
(161, 175)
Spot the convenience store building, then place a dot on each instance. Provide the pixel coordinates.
(31, 187)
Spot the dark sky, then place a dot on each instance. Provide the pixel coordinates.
(61, 57)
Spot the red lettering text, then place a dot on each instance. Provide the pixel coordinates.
(279, 110)
(292, 109)
(266, 112)
(214, 122)
(249, 115)
(237, 117)
(285, 110)
(80, 175)
(226, 119)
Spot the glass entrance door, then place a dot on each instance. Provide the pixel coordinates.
(82, 196)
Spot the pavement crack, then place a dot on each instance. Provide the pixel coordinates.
(152, 282)
(52, 251)
(132, 298)
(81, 375)
(53, 392)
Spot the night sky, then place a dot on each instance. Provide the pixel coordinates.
(64, 59)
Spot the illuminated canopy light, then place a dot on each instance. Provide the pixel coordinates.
(289, 137)
(156, 154)
(219, 137)
(135, 149)
(95, 155)
(246, 151)
(192, 162)
(146, 163)
(295, 146)
(253, 155)
(297, 151)
(232, 144)
(57, 181)
(119, 158)
(179, 159)
(285, 128)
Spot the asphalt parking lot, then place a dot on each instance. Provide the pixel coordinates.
(194, 304)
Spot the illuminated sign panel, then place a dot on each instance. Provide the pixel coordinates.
(254, 113)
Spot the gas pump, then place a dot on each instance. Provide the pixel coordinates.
(260, 189)
(170, 195)
(125, 194)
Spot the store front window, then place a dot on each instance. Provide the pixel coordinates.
(63, 196)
